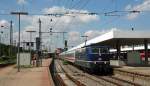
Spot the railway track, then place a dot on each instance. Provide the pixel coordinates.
(139, 78)
(117, 81)
(62, 73)
(133, 74)
(84, 79)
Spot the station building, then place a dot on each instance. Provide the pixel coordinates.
(127, 47)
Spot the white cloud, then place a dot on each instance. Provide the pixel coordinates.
(140, 7)
(4, 27)
(21, 2)
(4, 23)
(81, 18)
(87, 18)
(63, 23)
(74, 38)
(74, 35)
(114, 29)
(92, 33)
(128, 7)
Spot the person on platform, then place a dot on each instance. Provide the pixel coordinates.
(34, 59)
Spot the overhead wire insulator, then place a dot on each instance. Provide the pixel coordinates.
(51, 31)
(51, 20)
(134, 11)
(2, 26)
(93, 14)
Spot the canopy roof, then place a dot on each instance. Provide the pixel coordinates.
(114, 36)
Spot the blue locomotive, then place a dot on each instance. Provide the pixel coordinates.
(94, 59)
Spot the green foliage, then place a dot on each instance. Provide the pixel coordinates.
(6, 56)
(7, 60)
(5, 50)
(65, 62)
(24, 66)
(8, 53)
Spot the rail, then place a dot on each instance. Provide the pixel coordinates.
(78, 83)
(108, 79)
(102, 80)
(132, 74)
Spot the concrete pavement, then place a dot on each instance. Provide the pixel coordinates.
(36, 76)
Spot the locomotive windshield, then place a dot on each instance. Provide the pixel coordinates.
(104, 50)
(95, 50)
(100, 50)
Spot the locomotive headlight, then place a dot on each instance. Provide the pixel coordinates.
(99, 58)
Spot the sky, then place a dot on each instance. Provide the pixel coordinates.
(77, 24)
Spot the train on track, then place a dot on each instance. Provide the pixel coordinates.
(92, 59)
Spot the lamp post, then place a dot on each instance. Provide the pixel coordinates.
(0, 42)
(39, 59)
(19, 14)
(30, 31)
(85, 39)
(133, 43)
(11, 38)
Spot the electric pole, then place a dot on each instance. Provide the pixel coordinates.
(1, 43)
(85, 39)
(11, 38)
(39, 60)
(19, 14)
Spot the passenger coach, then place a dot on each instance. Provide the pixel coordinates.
(93, 59)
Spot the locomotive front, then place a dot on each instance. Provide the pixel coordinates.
(99, 57)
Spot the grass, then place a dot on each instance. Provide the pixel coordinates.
(7, 60)
(65, 62)
(24, 66)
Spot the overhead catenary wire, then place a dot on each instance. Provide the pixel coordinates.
(69, 3)
(60, 19)
(71, 13)
(111, 13)
(79, 12)
(66, 15)
(105, 13)
(74, 5)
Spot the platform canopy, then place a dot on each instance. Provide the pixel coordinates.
(122, 37)
(115, 39)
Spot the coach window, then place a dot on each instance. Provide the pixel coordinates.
(83, 54)
(77, 54)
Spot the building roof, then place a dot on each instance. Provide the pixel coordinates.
(124, 38)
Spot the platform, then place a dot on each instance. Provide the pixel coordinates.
(35, 76)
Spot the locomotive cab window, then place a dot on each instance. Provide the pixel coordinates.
(104, 50)
(95, 50)
(99, 50)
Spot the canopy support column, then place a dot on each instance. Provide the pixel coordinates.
(146, 51)
(118, 49)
